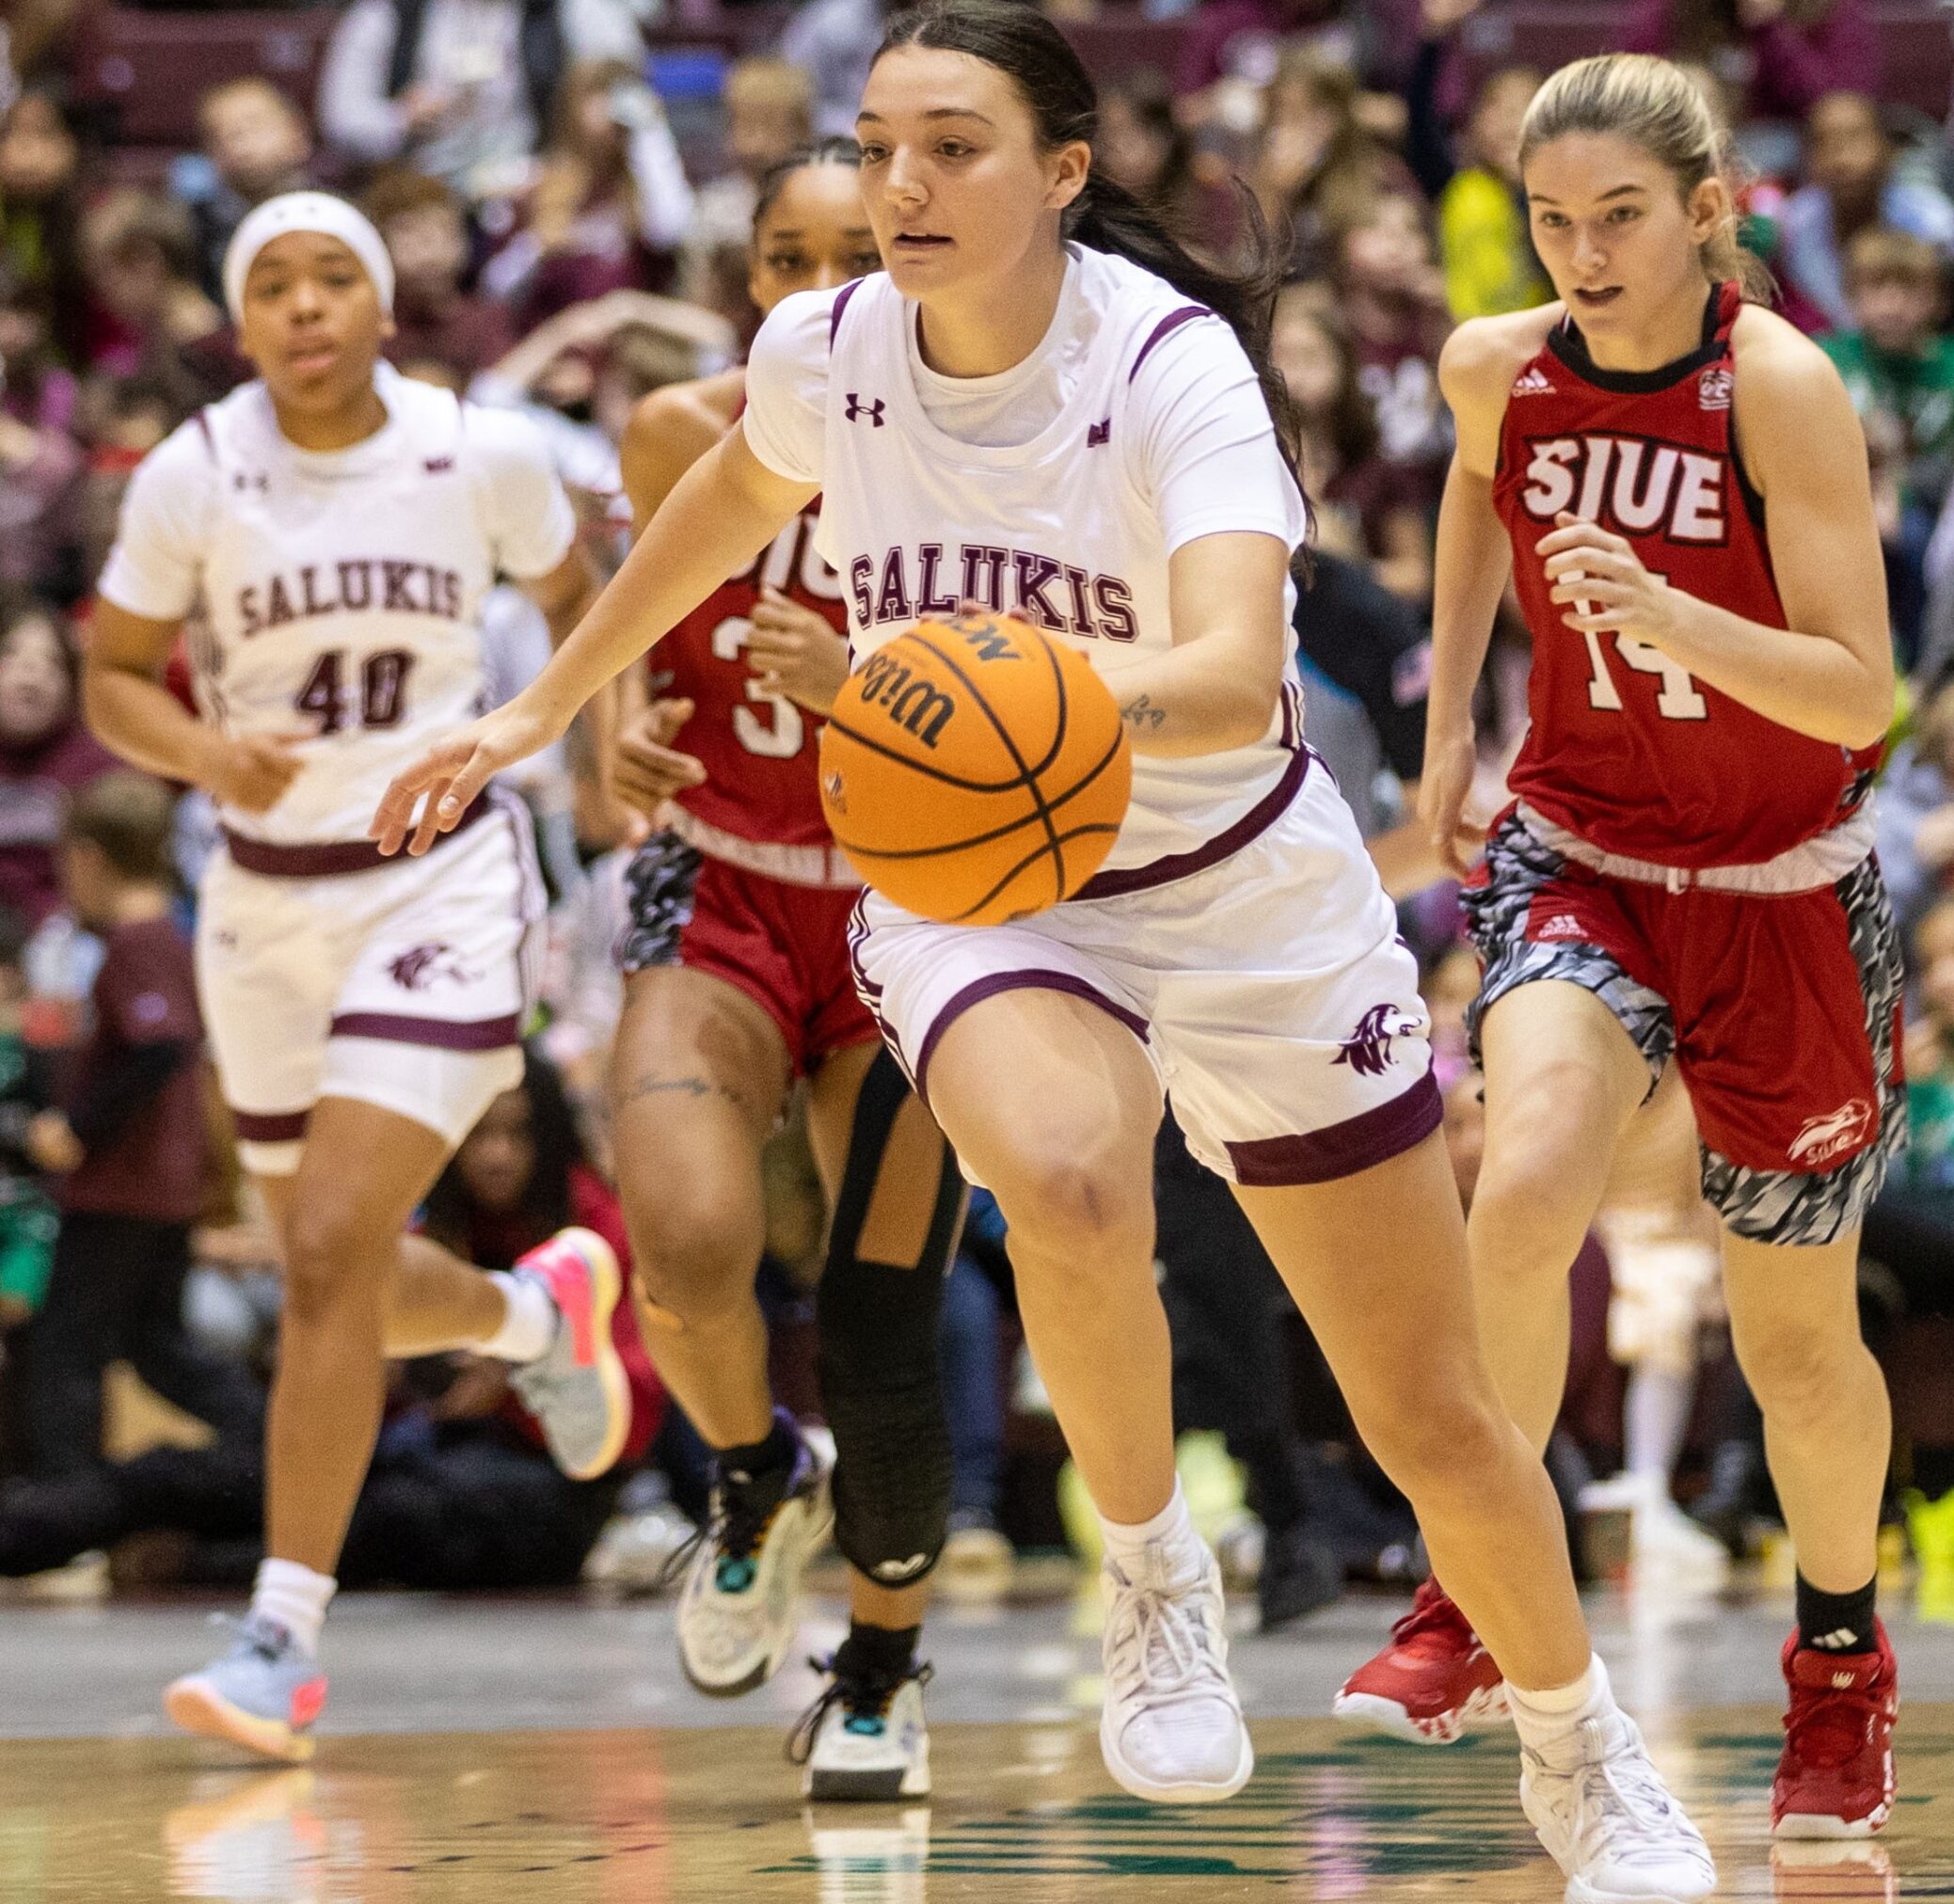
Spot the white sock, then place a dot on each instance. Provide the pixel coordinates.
(293, 1596)
(1655, 1419)
(1172, 1525)
(1540, 1718)
(529, 1320)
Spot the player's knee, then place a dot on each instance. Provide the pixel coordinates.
(695, 1258)
(1085, 1202)
(1794, 1366)
(1438, 1437)
(335, 1260)
(1527, 1206)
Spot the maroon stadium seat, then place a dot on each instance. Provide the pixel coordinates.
(145, 71)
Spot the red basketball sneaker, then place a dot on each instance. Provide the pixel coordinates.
(1835, 1779)
(1432, 1682)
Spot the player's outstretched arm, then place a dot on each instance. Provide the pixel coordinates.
(718, 515)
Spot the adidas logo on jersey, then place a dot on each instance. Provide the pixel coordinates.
(1562, 925)
(1532, 381)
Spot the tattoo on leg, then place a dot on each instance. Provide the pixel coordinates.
(1143, 714)
(652, 1085)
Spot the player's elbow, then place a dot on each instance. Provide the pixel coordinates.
(1872, 720)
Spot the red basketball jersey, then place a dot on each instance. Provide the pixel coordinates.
(1627, 749)
(759, 750)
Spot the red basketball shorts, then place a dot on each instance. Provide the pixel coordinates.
(1781, 1010)
(786, 946)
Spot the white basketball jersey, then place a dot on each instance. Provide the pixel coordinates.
(340, 593)
(1062, 530)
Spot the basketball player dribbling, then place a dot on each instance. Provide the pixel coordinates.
(339, 527)
(1043, 381)
(1675, 481)
(738, 980)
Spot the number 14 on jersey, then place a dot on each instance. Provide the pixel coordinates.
(1677, 699)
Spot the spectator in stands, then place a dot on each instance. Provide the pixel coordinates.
(1367, 508)
(426, 230)
(41, 206)
(133, 1146)
(46, 756)
(140, 266)
(611, 203)
(1316, 165)
(1144, 148)
(256, 144)
(1783, 55)
(1238, 40)
(833, 43)
(40, 464)
(28, 1137)
(1483, 240)
(1393, 296)
(1853, 186)
(124, 419)
(768, 106)
(461, 88)
(1897, 363)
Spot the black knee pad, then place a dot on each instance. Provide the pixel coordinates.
(880, 1381)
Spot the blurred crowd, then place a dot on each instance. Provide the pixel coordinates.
(567, 203)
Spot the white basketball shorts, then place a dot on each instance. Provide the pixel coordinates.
(404, 984)
(1268, 986)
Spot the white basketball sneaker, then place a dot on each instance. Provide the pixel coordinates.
(1598, 1804)
(1172, 1728)
(740, 1604)
(864, 1738)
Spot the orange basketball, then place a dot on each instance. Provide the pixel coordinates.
(974, 770)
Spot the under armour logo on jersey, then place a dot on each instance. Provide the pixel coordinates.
(1099, 433)
(439, 466)
(857, 409)
(1532, 381)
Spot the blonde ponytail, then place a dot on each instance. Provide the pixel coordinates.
(1658, 106)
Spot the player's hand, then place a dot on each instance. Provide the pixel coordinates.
(1601, 579)
(428, 798)
(252, 771)
(647, 769)
(795, 652)
(1451, 761)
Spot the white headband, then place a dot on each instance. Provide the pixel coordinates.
(317, 212)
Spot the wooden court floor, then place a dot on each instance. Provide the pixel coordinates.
(1023, 1812)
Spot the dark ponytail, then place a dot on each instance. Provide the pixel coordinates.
(1038, 60)
(831, 150)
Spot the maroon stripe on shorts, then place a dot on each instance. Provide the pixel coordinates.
(840, 303)
(1165, 330)
(1025, 979)
(443, 1034)
(1372, 1136)
(1257, 820)
(328, 859)
(275, 1127)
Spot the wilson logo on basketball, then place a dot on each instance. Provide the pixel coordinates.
(917, 707)
(1833, 1134)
